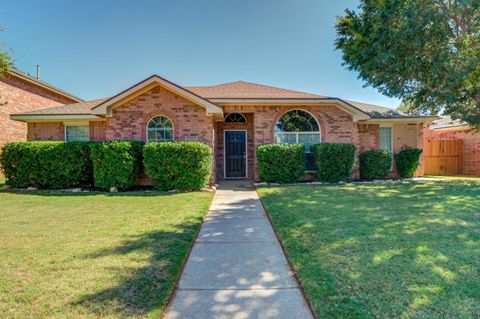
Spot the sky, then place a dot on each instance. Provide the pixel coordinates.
(97, 48)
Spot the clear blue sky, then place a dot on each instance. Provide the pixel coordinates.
(96, 48)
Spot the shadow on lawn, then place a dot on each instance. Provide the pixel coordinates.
(142, 290)
(59, 193)
(385, 250)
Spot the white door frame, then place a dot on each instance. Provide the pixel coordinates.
(225, 154)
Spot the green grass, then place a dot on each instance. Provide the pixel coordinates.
(93, 255)
(389, 250)
(456, 178)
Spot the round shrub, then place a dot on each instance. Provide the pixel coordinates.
(48, 165)
(375, 164)
(407, 161)
(19, 164)
(281, 163)
(178, 165)
(116, 163)
(334, 162)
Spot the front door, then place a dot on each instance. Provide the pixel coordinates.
(235, 154)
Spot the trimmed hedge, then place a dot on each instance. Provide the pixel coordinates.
(116, 163)
(375, 164)
(408, 161)
(281, 163)
(178, 165)
(46, 164)
(334, 162)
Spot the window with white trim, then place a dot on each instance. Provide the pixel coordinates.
(236, 118)
(77, 133)
(386, 139)
(159, 129)
(297, 127)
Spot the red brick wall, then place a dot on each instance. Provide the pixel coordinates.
(17, 96)
(98, 130)
(336, 125)
(190, 121)
(408, 135)
(471, 147)
(368, 135)
(46, 131)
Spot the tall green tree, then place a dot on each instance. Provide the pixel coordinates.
(5, 60)
(426, 52)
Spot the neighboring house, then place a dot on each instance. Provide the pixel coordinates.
(233, 118)
(20, 92)
(447, 129)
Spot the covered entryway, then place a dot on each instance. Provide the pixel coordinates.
(236, 154)
(443, 157)
(235, 146)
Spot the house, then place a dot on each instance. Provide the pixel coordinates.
(20, 92)
(466, 156)
(233, 118)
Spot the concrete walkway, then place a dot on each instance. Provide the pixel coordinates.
(237, 269)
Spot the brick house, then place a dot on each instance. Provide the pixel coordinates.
(233, 118)
(20, 92)
(447, 129)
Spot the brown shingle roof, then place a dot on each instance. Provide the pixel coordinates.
(249, 90)
(378, 112)
(446, 122)
(79, 108)
(13, 71)
(234, 90)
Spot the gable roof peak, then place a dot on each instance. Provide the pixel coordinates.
(104, 108)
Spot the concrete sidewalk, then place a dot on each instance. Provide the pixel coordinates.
(237, 269)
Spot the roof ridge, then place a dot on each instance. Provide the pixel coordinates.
(14, 71)
(266, 86)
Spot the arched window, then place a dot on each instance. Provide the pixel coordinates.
(235, 118)
(297, 127)
(159, 129)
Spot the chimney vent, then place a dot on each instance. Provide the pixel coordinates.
(38, 72)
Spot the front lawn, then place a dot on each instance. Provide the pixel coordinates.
(456, 178)
(93, 255)
(389, 250)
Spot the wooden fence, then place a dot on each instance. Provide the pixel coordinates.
(443, 157)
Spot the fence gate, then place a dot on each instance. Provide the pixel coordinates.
(443, 157)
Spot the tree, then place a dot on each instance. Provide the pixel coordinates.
(426, 52)
(5, 60)
(407, 108)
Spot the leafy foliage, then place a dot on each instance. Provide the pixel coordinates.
(5, 60)
(334, 162)
(375, 164)
(178, 165)
(281, 163)
(116, 163)
(407, 161)
(425, 52)
(46, 164)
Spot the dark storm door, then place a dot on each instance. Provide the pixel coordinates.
(235, 154)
